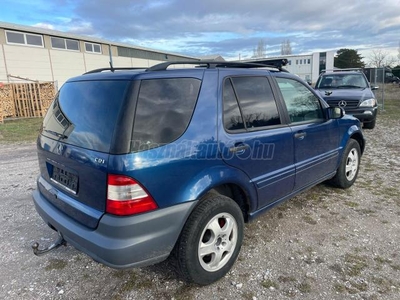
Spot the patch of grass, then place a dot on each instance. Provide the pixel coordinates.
(362, 286)
(351, 204)
(268, 283)
(309, 220)
(382, 260)
(304, 287)
(21, 130)
(392, 109)
(135, 282)
(355, 264)
(384, 285)
(119, 273)
(339, 287)
(56, 264)
(395, 267)
(286, 279)
(248, 295)
(365, 211)
(337, 268)
(184, 292)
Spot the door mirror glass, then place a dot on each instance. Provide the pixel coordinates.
(335, 112)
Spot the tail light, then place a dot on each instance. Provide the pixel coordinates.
(126, 197)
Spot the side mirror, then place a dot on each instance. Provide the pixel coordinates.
(335, 112)
(374, 88)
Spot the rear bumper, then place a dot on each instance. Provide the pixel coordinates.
(121, 242)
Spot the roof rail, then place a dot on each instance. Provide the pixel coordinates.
(111, 69)
(276, 62)
(212, 65)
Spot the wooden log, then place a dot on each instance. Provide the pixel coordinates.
(6, 100)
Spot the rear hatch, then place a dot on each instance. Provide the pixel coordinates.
(75, 143)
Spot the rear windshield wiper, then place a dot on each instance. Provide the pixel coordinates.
(59, 135)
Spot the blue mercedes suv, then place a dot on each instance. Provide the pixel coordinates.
(144, 164)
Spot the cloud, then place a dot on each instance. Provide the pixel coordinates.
(44, 25)
(230, 27)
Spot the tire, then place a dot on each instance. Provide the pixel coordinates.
(210, 240)
(370, 125)
(347, 172)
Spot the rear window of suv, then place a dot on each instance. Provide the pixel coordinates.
(163, 111)
(84, 113)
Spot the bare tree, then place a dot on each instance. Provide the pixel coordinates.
(261, 49)
(286, 48)
(380, 58)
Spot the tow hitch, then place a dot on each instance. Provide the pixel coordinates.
(59, 242)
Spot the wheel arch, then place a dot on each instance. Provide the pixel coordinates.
(354, 132)
(237, 194)
(360, 140)
(225, 181)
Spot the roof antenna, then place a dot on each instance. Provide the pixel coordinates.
(111, 61)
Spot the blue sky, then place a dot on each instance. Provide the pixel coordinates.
(229, 28)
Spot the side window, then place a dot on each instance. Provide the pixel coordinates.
(232, 117)
(256, 103)
(301, 103)
(163, 111)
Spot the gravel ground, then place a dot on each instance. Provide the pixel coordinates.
(324, 244)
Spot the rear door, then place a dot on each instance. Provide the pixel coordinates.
(253, 138)
(315, 138)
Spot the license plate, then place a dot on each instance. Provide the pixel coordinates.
(67, 179)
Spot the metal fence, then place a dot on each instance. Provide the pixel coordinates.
(377, 78)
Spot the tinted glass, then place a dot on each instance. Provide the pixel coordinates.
(232, 117)
(57, 43)
(301, 103)
(85, 113)
(35, 40)
(163, 111)
(14, 37)
(342, 81)
(256, 101)
(72, 45)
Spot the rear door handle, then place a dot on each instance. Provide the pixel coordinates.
(239, 148)
(300, 135)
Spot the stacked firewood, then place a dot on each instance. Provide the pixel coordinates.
(25, 100)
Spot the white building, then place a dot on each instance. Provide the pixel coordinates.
(307, 66)
(49, 55)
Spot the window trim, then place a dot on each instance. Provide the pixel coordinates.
(65, 44)
(93, 44)
(25, 39)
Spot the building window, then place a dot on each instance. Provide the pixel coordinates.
(297, 61)
(322, 61)
(301, 61)
(289, 62)
(309, 61)
(305, 61)
(21, 38)
(60, 43)
(92, 48)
